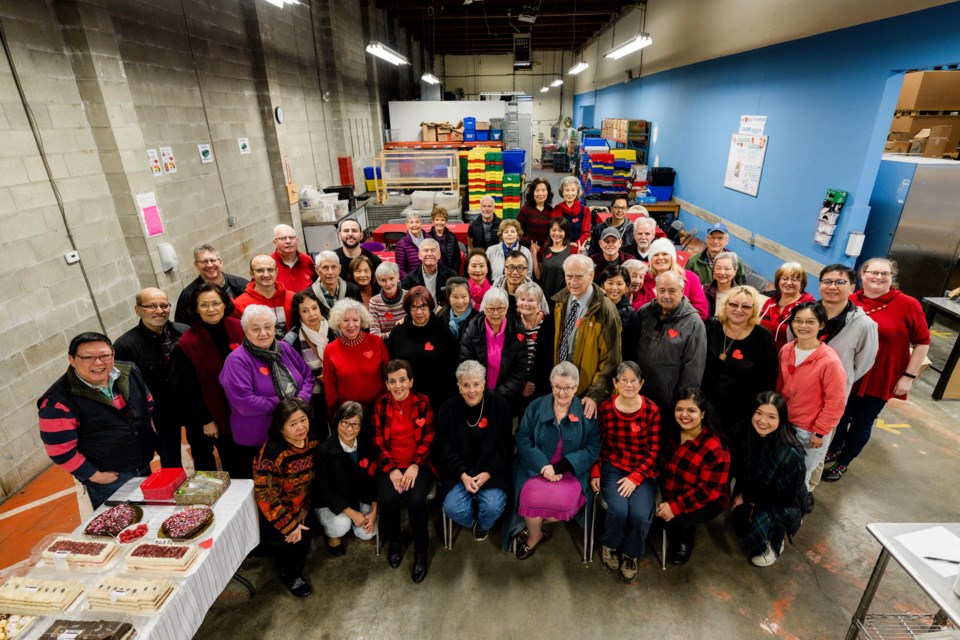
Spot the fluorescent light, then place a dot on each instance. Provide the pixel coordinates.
(429, 78)
(386, 53)
(503, 93)
(557, 82)
(636, 43)
(544, 89)
(577, 68)
(276, 3)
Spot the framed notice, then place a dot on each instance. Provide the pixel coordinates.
(745, 163)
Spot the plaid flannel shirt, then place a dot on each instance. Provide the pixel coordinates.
(630, 445)
(695, 473)
(423, 433)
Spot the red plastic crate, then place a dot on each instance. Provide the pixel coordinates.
(161, 484)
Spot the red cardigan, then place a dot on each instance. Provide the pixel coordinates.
(900, 323)
(354, 373)
(816, 391)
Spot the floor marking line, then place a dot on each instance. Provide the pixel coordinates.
(37, 503)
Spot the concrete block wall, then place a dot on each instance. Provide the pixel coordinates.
(107, 79)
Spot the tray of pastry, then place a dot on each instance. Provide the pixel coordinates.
(32, 595)
(164, 558)
(133, 596)
(66, 552)
(114, 520)
(15, 625)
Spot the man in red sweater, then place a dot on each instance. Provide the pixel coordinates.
(264, 289)
(295, 270)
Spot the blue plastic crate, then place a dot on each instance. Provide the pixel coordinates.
(469, 124)
(661, 193)
(483, 135)
(496, 134)
(513, 160)
(469, 136)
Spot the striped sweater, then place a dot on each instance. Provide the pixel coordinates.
(282, 476)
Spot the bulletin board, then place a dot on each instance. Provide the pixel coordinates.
(745, 163)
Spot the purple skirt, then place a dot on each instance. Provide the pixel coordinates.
(540, 498)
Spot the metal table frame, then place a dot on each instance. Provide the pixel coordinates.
(938, 588)
(950, 308)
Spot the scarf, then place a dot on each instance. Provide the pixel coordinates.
(507, 250)
(456, 321)
(284, 384)
(312, 344)
(835, 325)
(417, 240)
(477, 291)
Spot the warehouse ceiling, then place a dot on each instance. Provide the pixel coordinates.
(466, 27)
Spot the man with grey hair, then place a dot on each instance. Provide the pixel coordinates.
(330, 287)
(669, 342)
(430, 274)
(587, 332)
(482, 232)
(644, 233)
(294, 269)
(209, 266)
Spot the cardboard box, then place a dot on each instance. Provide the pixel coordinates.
(483, 126)
(937, 141)
(443, 134)
(930, 91)
(897, 146)
(428, 131)
(456, 135)
(913, 124)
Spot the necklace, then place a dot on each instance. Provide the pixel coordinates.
(726, 346)
(397, 405)
(480, 417)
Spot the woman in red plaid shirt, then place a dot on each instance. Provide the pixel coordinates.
(629, 443)
(694, 475)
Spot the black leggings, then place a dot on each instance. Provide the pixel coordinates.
(414, 499)
(682, 527)
(291, 557)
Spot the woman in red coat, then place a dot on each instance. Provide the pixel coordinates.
(790, 282)
(575, 212)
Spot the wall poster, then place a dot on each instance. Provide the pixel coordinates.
(745, 163)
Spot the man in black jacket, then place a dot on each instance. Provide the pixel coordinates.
(149, 345)
(95, 419)
(210, 267)
(430, 274)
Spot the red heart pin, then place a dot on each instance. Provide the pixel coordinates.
(575, 220)
(534, 336)
(428, 346)
(388, 315)
(634, 427)
(368, 354)
(737, 354)
(573, 418)
(548, 256)
(234, 345)
(482, 424)
(265, 371)
(364, 463)
(673, 333)
(520, 337)
(206, 544)
(421, 421)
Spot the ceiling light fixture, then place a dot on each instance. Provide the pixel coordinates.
(636, 43)
(577, 68)
(544, 89)
(429, 78)
(386, 53)
(503, 93)
(557, 82)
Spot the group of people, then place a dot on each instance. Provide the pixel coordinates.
(347, 386)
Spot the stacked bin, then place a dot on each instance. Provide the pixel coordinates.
(469, 129)
(512, 194)
(623, 161)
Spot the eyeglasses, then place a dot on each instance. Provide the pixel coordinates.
(209, 305)
(495, 309)
(420, 307)
(620, 208)
(155, 307)
(564, 389)
(286, 238)
(630, 382)
(805, 323)
(515, 268)
(209, 261)
(91, 359)
(790, 279)
(834, 283)
(879, 274)
(349, 425)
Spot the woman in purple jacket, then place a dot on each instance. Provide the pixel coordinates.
(407, 249)
(256, 376)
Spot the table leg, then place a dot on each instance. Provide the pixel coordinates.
(868, 593)
(246, 583)
(947, 371)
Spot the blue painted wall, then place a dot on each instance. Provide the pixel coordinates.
(828, 100)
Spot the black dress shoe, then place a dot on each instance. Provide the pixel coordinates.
(419, 567)
(394, 554)
(679, 552)
(298, 586)
(337, 551)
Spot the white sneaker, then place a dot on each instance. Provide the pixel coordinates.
(766, 558)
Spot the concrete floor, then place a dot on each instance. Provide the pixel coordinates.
(910, 474)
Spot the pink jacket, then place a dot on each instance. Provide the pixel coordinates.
(692, 289)
(816, 391)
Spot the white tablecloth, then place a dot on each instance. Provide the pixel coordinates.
(235, 533)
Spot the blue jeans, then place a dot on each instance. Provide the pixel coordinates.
(483, 507)
(812, 457)
(853, 432)
(100, 493)
(627, 522)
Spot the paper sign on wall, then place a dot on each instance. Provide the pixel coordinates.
(169, 164)
(150, 213)
(745, 163)
(206, 153)
(244, 144)
(752, 125)
(154, 159)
